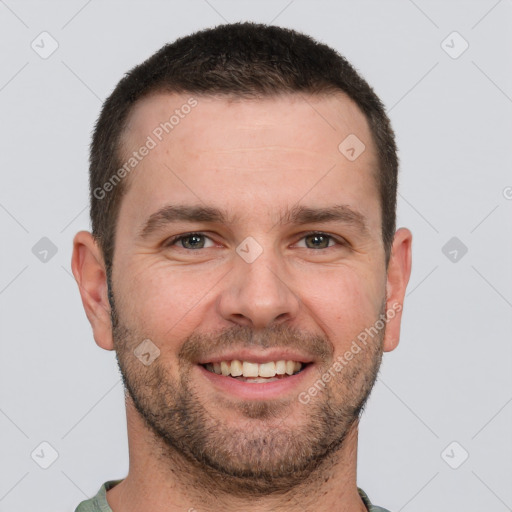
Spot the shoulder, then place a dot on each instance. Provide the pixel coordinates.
(98, 503)
(369, 505)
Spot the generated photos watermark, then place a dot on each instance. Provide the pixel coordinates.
(157, 135)
(355, 348)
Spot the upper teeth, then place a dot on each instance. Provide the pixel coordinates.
(238, 368)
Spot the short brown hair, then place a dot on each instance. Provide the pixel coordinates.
(245, 60)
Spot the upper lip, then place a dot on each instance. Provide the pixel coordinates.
(253, 356)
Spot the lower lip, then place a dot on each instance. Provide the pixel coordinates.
(258, 390)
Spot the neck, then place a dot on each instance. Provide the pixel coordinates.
(162, 480)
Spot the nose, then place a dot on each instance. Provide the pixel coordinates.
(256, 294)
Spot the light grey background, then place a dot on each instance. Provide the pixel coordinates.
(449, 380)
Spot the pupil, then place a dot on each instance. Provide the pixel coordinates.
(192, 242)
(318, 241)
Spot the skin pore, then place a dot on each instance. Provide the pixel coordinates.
(269, 169)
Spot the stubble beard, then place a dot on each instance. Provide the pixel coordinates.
(267, 455)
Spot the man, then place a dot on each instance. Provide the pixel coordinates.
(245, 268)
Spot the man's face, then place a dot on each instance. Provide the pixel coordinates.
(285, 263)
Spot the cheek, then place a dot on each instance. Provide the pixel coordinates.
(344, 301)
(164, 302)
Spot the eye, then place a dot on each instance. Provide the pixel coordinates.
(191, 241)
(319, 240)
(194, 241)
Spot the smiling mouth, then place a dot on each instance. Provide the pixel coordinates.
(247, 371)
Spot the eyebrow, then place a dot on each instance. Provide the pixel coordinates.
(336, 213)
(297, 215)
(188, 213)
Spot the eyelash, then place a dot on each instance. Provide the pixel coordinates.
(174, 240)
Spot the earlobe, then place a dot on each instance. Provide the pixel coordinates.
(399, 271)
(89, 270)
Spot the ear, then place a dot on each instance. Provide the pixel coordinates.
(399, 271)
(89, 270)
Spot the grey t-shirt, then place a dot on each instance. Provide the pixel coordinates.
(99, 502)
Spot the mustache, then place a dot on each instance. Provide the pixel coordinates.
(204, 345)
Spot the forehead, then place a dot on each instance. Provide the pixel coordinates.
(233, 151)
(307, 117)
